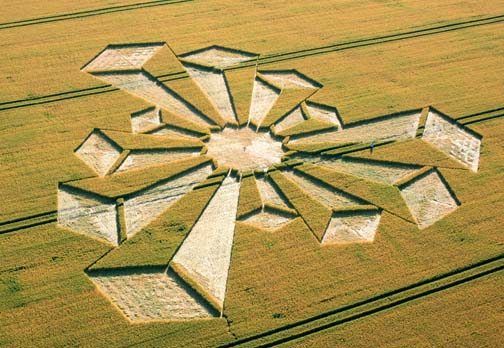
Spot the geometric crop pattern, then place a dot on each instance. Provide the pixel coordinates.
(272, 154)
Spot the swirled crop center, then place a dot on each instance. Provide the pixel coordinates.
(244, 149)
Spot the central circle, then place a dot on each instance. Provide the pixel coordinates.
(243, 149)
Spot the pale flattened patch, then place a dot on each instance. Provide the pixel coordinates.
(323, 113)
(351, 227)
(453, 139)
(398, 127)
(269, 219)
(213, 85)
(288, 79)
(269, 194)
(264, 97)
(152, 296)
(119, 57)
(145, 158)
(219, 57)
(143, 207)
(428, 198)
(325, 195)
(387, 173)
(145, 119)
(99, 152)
(244, 149)
(206, 252)
(88, 214)
(293, 118)
(142, 85)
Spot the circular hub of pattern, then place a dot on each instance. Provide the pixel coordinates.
(244, 149)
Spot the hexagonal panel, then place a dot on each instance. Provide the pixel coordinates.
(99, 152)
(87, 213)
(122, 57)
(144, 296)
(323, 113)
(428, 198)
(453, 139)
(293, 118)
(218, 56)
(352, 226)
(269, 218)
(144, 120)
(289, 79)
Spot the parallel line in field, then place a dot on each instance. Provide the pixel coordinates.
(269, 59)
(360, 45)
(28, 221)
(479, 113)
(371, 306)
(25, 226)
(88, 13)
(75, 91)
(364, 308)
(298, 54)
(481, 117)
(58, 99)
(379, 309)
(35, 216)
(493, 117)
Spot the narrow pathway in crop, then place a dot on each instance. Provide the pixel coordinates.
(87, 13)
(265, 60)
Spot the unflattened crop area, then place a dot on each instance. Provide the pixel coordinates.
(284, 287)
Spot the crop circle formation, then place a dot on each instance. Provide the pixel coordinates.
(271, 155)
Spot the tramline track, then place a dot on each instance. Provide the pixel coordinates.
(88, 13)
(365, 308)
(262, 61)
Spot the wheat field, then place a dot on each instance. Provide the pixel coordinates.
(186, 173)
